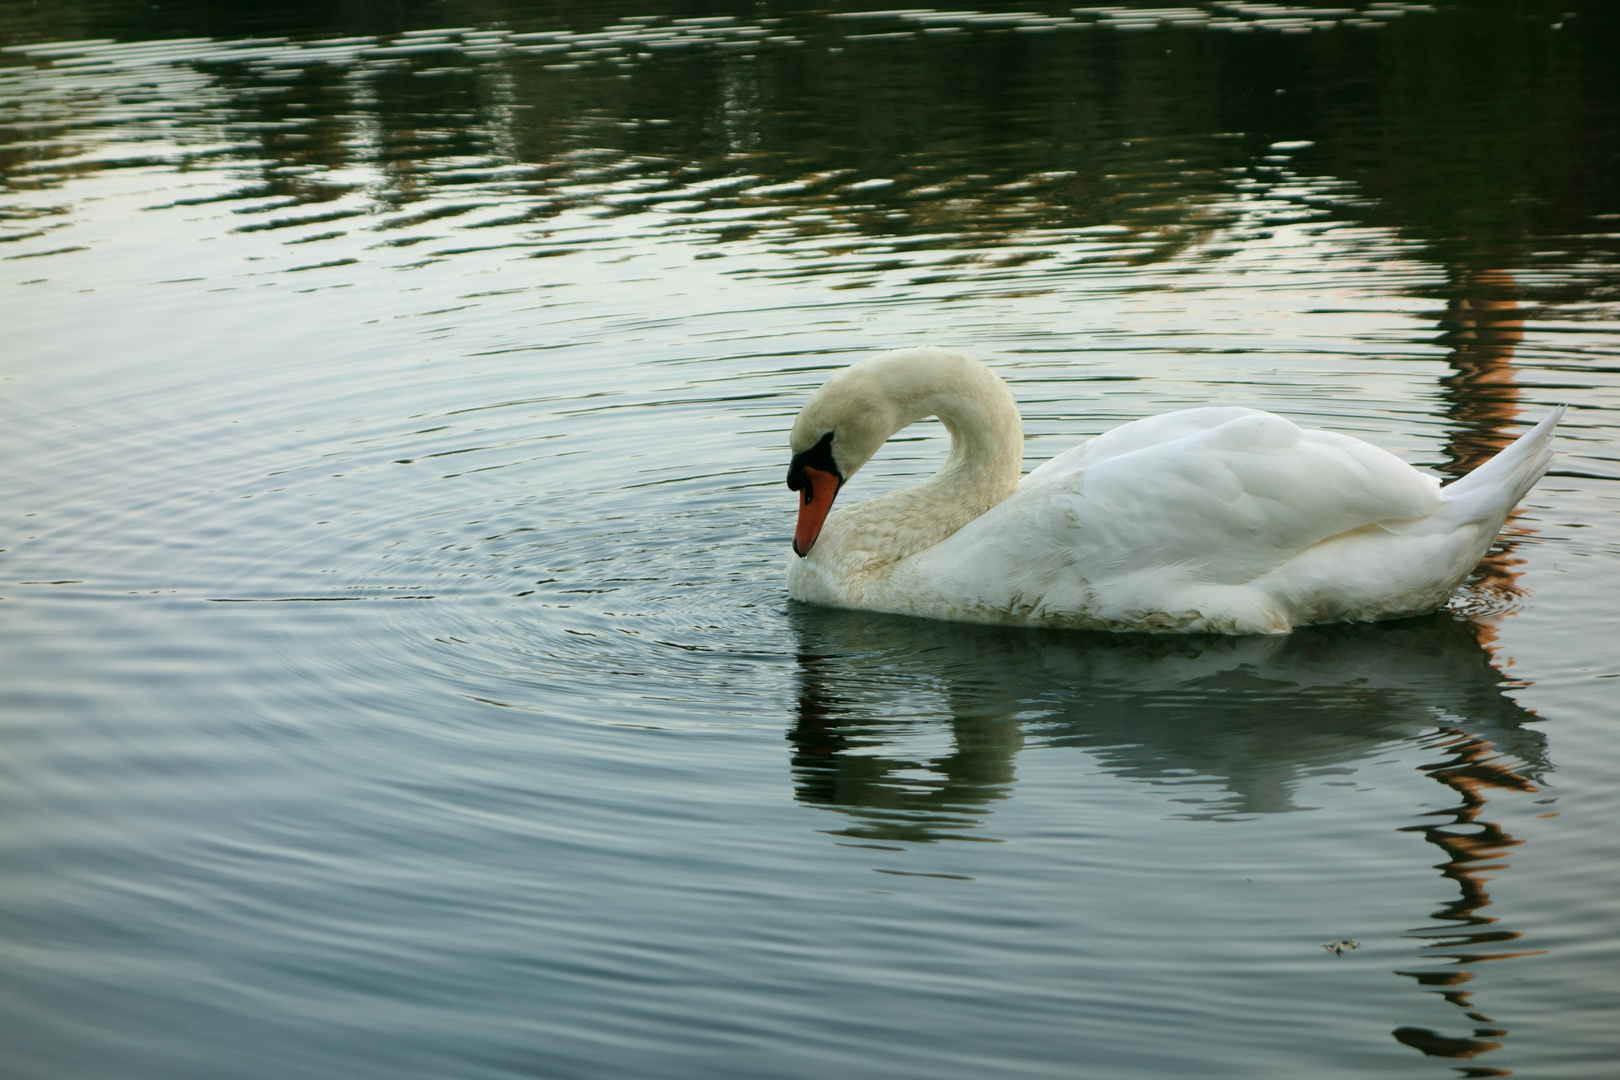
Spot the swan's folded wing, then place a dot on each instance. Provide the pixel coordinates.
(1139, 435)
(1228, 496)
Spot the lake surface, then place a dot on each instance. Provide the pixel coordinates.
(396, 673)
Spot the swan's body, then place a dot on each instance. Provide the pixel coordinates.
(1216, 519)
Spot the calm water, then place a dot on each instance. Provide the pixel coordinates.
(396, 671)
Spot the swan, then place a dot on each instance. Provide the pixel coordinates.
(1219, 519)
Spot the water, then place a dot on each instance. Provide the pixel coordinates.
(397, 674)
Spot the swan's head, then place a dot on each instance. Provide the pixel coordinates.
(814, 475)
(850, 417)
(835, 434)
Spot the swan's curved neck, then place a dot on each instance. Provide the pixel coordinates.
(987, 447)
(987, 451)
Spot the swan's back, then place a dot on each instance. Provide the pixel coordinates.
(1225, 519)
(1228, 494)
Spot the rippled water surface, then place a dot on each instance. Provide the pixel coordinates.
(396, 676)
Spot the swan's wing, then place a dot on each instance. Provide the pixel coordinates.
(1217, 495)
(1139, 435)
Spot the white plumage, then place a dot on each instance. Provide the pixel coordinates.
(1214, 519)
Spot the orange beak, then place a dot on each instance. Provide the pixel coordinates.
(815, 500)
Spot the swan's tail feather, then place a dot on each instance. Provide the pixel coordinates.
(1495, 488)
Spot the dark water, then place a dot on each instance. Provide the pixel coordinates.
(396, 677)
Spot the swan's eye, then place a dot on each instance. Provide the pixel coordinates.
(818, 456)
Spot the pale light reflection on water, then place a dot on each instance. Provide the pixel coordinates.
(397, 675)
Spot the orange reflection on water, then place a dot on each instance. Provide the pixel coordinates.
(1483, 324)
(1472, 769)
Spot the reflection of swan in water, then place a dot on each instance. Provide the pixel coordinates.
(1254, 714)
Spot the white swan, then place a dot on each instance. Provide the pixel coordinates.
(1216, 519)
